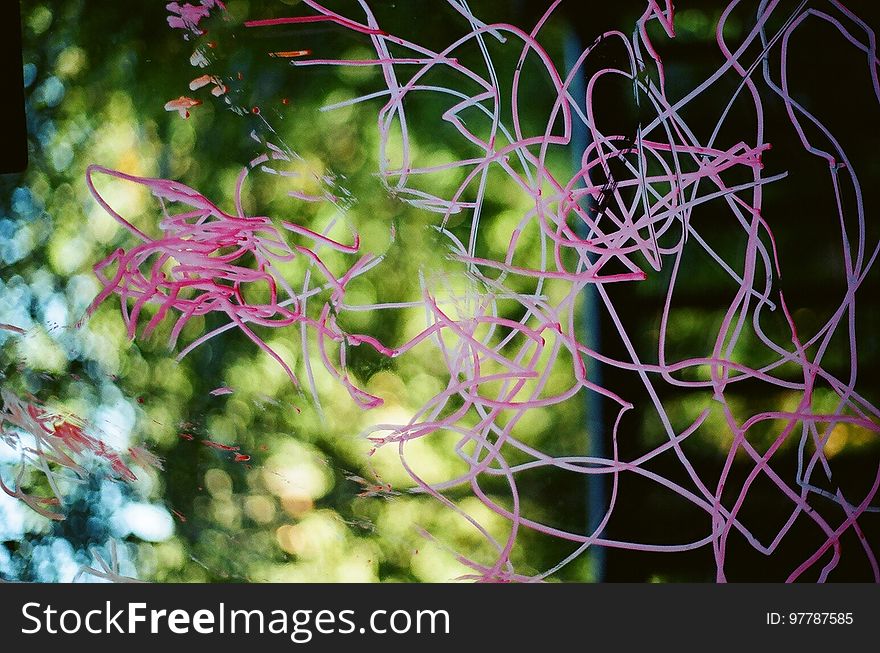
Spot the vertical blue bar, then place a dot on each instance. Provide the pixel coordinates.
(590, 326)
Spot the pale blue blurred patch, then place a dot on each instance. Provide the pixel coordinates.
(146, 521)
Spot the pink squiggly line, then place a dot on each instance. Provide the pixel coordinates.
(500, 368)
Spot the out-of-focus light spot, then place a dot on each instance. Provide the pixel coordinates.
(81, 288)
(30, 74)
(40, 352)
(260, 508)
(62, 156)
(16, 241)
(295, 472)
(127, 199)
(227, 514)
(8, 454)
(319, 534)
(434, 565)
(14, 303)
(55, 311)
(11, 514)
(23, 203)
(694, 23)
(837, 440)
(219, 483)
(46, 132)
(68, 253)
(71, 61)
(146, 521)
(287, 538)
(55, 562)
(7, 229)
(40, 19)
(116, 422)
(50, 92)
(297, 505)
(358, 567)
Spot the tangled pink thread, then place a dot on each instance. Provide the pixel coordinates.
(207, 261)
(631, 208)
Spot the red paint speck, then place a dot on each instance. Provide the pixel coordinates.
(217, 445)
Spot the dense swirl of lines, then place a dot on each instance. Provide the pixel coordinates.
(594, 227)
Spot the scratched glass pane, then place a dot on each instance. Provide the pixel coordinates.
(425, 291)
